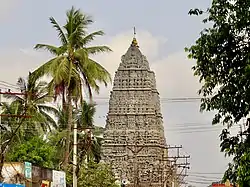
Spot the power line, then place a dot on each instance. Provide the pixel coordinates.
(198, 182)
(174, 99)
(196, 128)
(176, 132)
(205, 180)
(204, 177)
(187, 131)
(6, 82)
(164, 100)
(8, 86)
(209, 173)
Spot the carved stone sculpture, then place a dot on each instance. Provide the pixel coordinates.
(134, 126)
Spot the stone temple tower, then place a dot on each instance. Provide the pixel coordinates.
(134, 142)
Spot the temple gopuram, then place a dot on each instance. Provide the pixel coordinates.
(134, 142)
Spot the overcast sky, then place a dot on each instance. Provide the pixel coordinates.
(163, 30)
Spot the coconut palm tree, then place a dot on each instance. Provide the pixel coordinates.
(31, 103)
(6, 132)
(34, 102)
(89, 141)
(72, 67)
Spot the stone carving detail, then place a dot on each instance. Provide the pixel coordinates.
(134, 142)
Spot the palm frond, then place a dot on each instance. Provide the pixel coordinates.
(52, 49)
(64, 72)
(76, 27)
(61, 34)
(82, 57)
(85, 116)
(77, 91)
(95, 72)
(98, 49)
(49, 109)
(7, 108)
(47, 68)
(50, 122)
(41, 85)
(14, 98)
(92, 69)
(86, 83)
(90, 37)
(62, 119)
(102, 74)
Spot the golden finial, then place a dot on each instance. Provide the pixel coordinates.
(134, 42)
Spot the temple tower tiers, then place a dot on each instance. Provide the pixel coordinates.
(134, 142)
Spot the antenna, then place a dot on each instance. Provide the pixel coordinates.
(134, 32)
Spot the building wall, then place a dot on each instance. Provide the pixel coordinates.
(14, 173)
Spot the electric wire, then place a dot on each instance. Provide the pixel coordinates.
(187, 129)
(8, 87)
(162, 99)
(198, 182)
(5, 82)
(206, 173)
(204, 177)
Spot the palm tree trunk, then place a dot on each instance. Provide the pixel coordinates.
(63, 98)
(2, 155)
(69, 130)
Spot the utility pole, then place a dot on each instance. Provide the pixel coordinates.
(75, 155)
(0, 107)
(0, 120)
(172, 172)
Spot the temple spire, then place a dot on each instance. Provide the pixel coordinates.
(134, 41)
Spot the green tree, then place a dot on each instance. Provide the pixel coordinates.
(89, 136)
(89, 141)
(239, 147)
(35, 150)
(33, 103)
(10, 129)
(57, 139)
(96, 175)
(223, 66)
(72, 67)
(15, 127)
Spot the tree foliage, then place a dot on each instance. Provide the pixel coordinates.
(36, 150)
(238, 147)
(72, 66)
(96, 175)
(222, 55)
(45, 138)
(33, 103)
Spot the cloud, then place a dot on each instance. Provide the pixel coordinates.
(173, 73)
(175, 77)
(18, 62)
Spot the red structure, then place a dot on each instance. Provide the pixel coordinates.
(220, 185)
